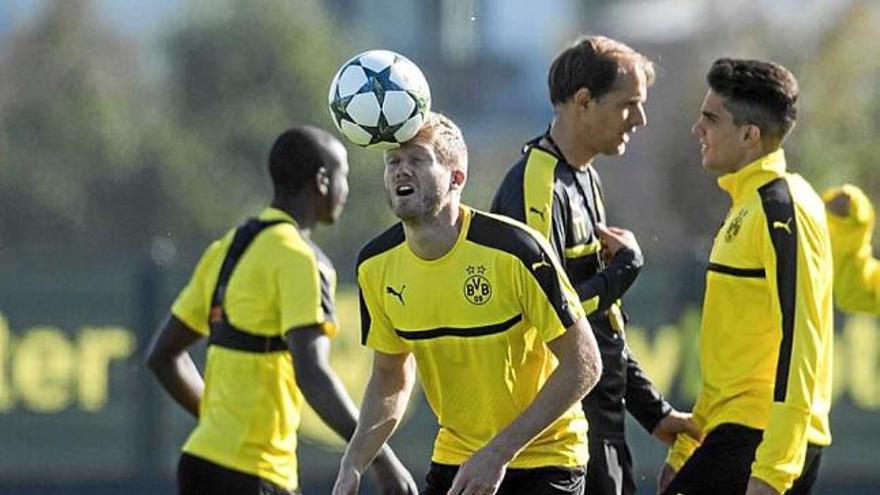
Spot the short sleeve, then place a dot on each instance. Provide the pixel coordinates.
(303, 293)
(377, 332)
(192, 304)
(549, 301)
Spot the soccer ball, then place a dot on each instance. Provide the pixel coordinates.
(379, 99)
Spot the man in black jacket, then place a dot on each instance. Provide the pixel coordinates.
(598, 87)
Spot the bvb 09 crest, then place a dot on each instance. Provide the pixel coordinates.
(477, 289)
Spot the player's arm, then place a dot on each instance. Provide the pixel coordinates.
(328, 397)
(624, 261)
(172, 365)
(550, 304)
(856, 271)
(647, 405)
(578, 371)
(797, 271)
(384, 404)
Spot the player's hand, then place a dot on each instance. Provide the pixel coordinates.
(674, 423)
(480, 475)
(664, 478)
(839, 204)
(758, 487)
(614, 239)
(347, 481)
(392, 477)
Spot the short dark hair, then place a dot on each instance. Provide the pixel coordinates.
(760, 93)
(592, 62)
(296, 156)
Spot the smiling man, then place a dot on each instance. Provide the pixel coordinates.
(598, 87)
(503, 349)
(767, 329)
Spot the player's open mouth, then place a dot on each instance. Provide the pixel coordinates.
(405, 190)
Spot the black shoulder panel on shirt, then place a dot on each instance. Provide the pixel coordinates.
(509, 199)
(782, 225)
(385, 241)
(509, 237)
(324, 263)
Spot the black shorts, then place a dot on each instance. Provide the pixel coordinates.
(536, 481)
(196, 476)
(609, 471)
(722, 464)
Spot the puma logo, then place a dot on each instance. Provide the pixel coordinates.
(540, 212)
(783, 225)
(397, 294)
(539, 264)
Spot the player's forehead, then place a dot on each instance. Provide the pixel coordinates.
(414, 148)
(713, 103)
(631, 83)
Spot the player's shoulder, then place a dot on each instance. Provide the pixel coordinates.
(382, 243)
(784, 195)
(506, 234)
(284, 237)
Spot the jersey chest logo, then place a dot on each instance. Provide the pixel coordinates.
(734, 225)
(477, 289)
(398, 293)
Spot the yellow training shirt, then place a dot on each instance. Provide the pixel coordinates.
(250, 410)
(477, 321)
(767, 328)
(856, 270)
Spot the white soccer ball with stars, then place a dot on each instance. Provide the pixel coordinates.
(379, 99)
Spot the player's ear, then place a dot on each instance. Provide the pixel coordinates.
(582, 97)
(322, 181)
(458, 178)
(752, 135)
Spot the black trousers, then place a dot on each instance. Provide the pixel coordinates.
(722, 464)
(196, 476)
(537, 481)
(609, 471)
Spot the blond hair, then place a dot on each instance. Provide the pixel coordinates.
(445, 138)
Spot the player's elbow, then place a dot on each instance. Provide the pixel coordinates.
(592, 365)
(157, 362)
(592, 373)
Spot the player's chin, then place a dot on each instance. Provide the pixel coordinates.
(617, 150)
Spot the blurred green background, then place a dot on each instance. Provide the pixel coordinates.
(133, 133)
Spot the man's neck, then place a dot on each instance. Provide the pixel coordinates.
(751, 157)
(570, 144)
(432, 238)
(302, 210)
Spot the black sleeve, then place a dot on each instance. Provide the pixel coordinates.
(611, 283)
(643, 401)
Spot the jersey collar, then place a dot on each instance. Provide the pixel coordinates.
(747, 179)
(269, 213)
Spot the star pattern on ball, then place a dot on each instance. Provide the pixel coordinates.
(381, 100)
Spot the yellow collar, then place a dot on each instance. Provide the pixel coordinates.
(269, 213)
(749, 178)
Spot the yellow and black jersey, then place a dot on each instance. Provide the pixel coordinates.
(477, 321)
(767, 328)
(856, 270)
(564, 203)
(250, 410)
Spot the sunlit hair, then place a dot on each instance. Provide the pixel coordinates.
(759, 93)
(593, 62)
(445, 139)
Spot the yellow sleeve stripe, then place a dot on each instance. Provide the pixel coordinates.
(538, 191)
(590, 305)
(583, 249)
